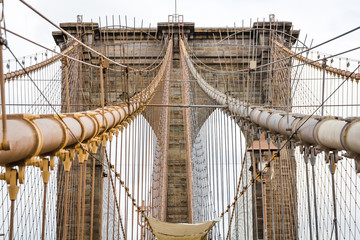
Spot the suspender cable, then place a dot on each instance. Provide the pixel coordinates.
(281, 190)
(312, 162)
(263, 191)
(108, 194)
(332, 168)
(64, 237)
(271, 190)
(79, 200)
(92, 198)
(306, 159)
(83, 200)
(116, 167)
(253, 174)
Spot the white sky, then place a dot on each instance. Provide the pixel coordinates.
(319, 19)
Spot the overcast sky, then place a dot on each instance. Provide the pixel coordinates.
(320, 19)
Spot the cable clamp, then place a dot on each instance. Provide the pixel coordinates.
(3, 41)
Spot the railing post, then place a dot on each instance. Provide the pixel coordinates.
(312, 162)
(45, 165)
(306, 160)
(281, 190)
(4, 144)
(12, 177)
(263, 190)
(65, 62)
(104, 63)
(323, 87)
(332, 168)
(66, 157)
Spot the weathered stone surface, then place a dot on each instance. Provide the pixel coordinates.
(211, 47)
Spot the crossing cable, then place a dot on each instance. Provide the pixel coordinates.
(317, 60)
(148, 68)
(114, 188)
(293, 55)
(42, 94)
(78, 41)
(237, 192)
(134, 202)
(281, 68)
(72, 134)
(69, 35)
(277, 154)
(300, 74)
(316, 46)
(242, 45)
(48, 49)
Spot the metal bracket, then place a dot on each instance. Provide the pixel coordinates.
(65, 156)
(11, 177)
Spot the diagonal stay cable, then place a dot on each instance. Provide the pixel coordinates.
(77, 40)
(41, 93)
(113, 187)
(291, 56)
(52, 107)
(72, 134)
(322, 104)
(316, 46)
(277, 154)
(48, 49)
(69, 35)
